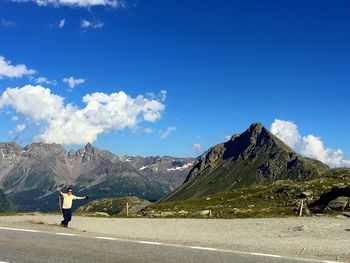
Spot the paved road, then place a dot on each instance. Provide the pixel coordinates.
(28, 244)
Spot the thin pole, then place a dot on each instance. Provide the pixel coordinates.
(127, 209)
(301, 207)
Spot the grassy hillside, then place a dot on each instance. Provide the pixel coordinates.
(114, 205)
(274, 199)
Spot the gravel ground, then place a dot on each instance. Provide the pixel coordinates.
(313, 237)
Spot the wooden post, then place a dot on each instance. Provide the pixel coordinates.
(127, 209)
(301, 207)
(210, 215)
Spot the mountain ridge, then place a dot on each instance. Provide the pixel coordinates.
(254, 156)
(31, 174)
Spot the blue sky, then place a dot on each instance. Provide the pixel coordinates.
(222, 64)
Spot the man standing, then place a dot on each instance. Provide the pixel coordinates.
(67, 204)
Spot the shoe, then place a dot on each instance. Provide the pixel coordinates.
(63, 225)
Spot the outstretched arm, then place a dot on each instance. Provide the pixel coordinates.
(58, 189)
(80, 197)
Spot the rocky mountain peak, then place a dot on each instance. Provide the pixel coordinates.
(88, 147)
(10, 148)
(87, 153)
(254, 156)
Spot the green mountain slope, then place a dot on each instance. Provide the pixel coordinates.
(270, 199)
(114, 205)
(5, 204)
(253, 157)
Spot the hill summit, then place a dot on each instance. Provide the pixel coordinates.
(252, 157)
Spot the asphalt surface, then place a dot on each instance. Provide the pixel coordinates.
(37, 244)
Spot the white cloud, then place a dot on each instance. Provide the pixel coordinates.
(91, 24)
(7, 23)
(228, 137)
(72, 82)
(309, 145)
(61, 23)
(162, 95)
(166, 133)
(197, 147)
(43, 80)
(14, 118)
(68, 124)
(148, 130)
(287, 131)
(11, 71)
(20, 127)
(78, 3)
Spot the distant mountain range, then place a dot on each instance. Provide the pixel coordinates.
(252, 157)
(30, 175)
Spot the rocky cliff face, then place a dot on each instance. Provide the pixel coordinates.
(252, 157)
(29, 175)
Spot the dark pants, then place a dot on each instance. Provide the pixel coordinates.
(67, 215)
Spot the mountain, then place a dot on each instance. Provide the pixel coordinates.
(253, 157)
(169, 170)
(5, 204)
(29, 175)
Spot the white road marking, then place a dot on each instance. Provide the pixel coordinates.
(19, 229)
(266, 255)
(160, 244)
(148, 242)
(106, 238)
(205, 248)
(65, 234)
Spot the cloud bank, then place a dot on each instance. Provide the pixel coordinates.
(77, 3)
(11, 71)
(68, 124)
(309, 145)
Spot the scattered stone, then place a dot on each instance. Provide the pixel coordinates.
(207, 199)
(307, 193)
(251, 206)
(347, 214)
(237, 211)
(182, 212)
(341, 217)
(339, 203)
(102, 213)
(300, 228)
(319, 215)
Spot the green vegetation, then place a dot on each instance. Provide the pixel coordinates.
(5, 204)
(276, 199)
(113, 206)
(254, 157)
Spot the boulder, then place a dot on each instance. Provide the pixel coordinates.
(201, 213)
(339, 203)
